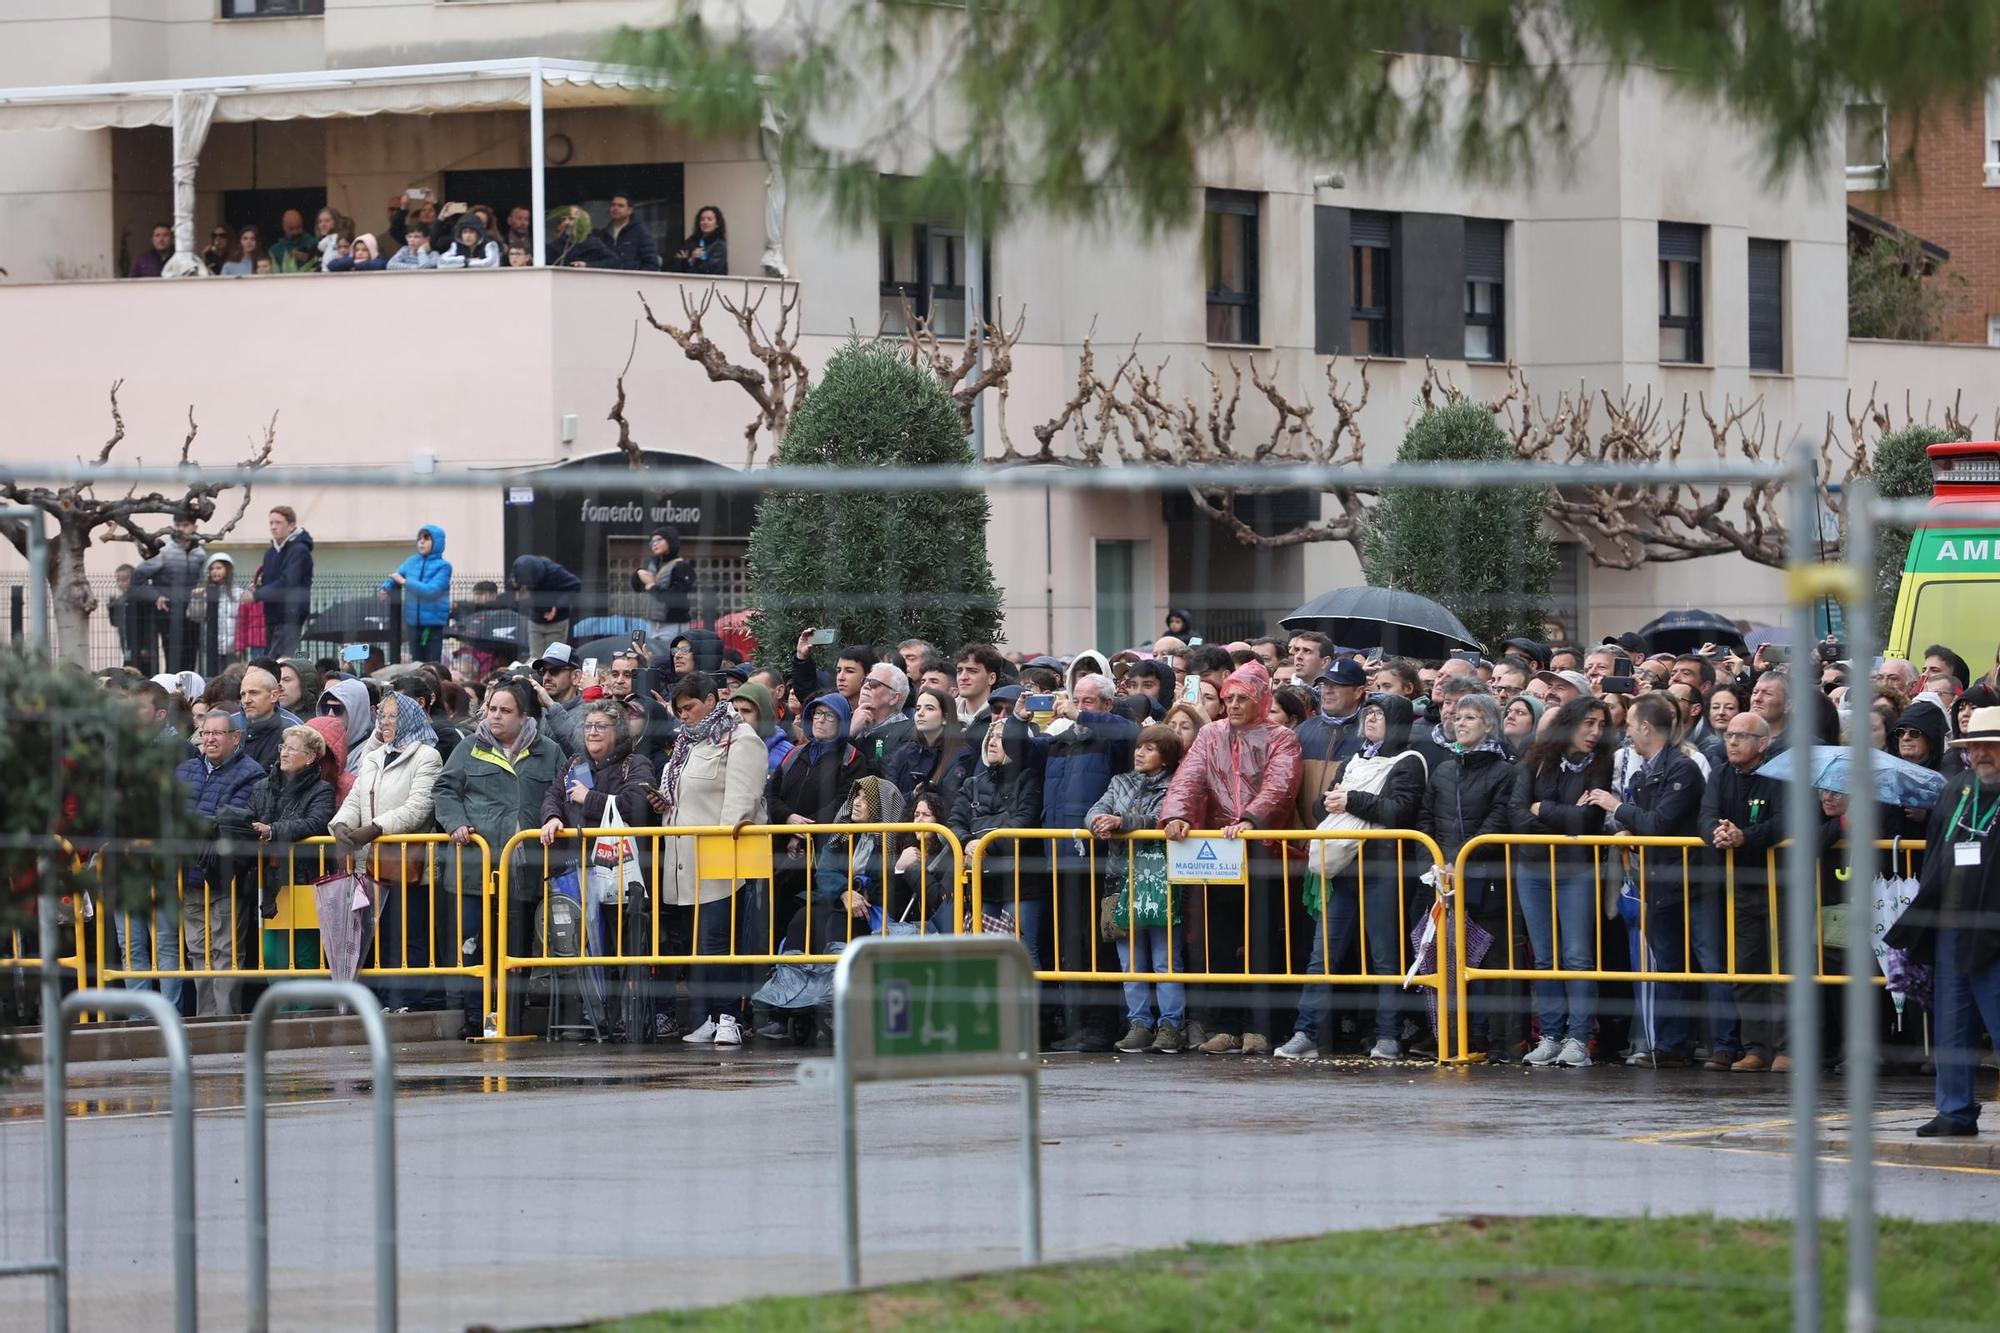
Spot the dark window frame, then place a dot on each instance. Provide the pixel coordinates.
(1380, 257)
(922, 292)
(273, 9)
(1244, 204)
(1495, 319)
(1766, 364)
(1691, 322)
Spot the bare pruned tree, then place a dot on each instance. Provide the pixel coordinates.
(777, 384)
(82, 517)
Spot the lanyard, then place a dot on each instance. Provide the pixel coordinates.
(1978, 828)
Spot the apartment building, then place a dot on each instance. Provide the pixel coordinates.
(1659, 261)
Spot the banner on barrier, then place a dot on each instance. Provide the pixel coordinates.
(1208, 861)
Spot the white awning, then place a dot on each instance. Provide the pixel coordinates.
(473, 85)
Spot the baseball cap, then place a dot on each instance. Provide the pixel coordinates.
(1575, 679)
(559, 654)
(1529, 648)
(1343, 671)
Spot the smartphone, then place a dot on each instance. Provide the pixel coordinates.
(1195, 641)
(1041, 703)
(639, 638)
(1777, 652)
(1619, 685)
(589, 666)
(824, 637)
(1468, 655)
(1621, 665)
(1191, 690)
(354, 652)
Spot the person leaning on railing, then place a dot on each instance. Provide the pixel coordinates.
(1004, 792)
(392, 795)
(293, 802)
(1146, 911)
(1566, 760)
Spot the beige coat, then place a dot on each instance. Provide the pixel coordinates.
(718, 787)
(396, 797)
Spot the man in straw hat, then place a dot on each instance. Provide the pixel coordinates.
(1954, 923)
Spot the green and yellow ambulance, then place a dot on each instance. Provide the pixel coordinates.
(1950, 592)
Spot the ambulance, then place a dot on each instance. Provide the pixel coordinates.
(1950, 593)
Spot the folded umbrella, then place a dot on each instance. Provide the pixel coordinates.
(1897, 781)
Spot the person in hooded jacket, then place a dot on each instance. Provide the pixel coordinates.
(752, 702)
(1242, 774)
(546, 593)
(173, 575)
(1468, 799)
(493, 785)
(1005, 791)
(470, 247)
(217, 652)
(808, 787)
(1180, 625)
(667, 579)
(425, 581)
(1919, 737)
(1557, 894)
(1382, 787)
(347, 701)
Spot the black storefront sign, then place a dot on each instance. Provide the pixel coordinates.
(601, 535)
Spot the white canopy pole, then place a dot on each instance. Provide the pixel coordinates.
(193, 112)
(537, 164)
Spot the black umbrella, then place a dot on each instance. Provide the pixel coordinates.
(356, 620)
(1402, 623)
(503, 631)
(1685, 631)
(603, 650)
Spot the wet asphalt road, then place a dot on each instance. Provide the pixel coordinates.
(549, 1184)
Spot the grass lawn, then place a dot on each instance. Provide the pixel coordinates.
(1548, 1274)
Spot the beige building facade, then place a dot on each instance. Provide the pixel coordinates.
(1659, 261)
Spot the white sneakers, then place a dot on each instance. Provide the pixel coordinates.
(1575, 1055)
(1546, 1052)
(724, 1031)
(1300, 1047)
(1387, 1048)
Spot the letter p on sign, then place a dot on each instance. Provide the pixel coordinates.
(896, 1009)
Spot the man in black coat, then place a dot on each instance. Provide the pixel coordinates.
(1954, 924)
(1741, 815)
(1663, 800)
(628, 238)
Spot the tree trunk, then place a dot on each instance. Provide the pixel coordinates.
(70, 599)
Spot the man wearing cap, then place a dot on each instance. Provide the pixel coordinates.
(1954, 924)
(1563, 686)
(556, 688)
(1331, 737)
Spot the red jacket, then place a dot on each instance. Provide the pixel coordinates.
(1231, 775)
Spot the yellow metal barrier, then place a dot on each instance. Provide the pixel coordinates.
(1697, 873)
(287, 945)
(742, 857)
(1287, 861)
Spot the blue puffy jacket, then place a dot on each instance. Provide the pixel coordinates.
(209, 790)
(1080, 764)
(426, 583)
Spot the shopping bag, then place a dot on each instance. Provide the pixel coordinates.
(614, 869)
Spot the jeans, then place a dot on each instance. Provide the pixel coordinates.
(1381, 895)
(408, 937)
(1030, 921)
(1967, 999)
(1161, 945)
(1567, 1006)
(1675, 1005)
(148, 944)
(713, 989)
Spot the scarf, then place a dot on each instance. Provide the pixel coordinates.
(1575, 765)
(530, 731)
(1442, 738)
(718, 728)
(413, 725)
(1491, 745)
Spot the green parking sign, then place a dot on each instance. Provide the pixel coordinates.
(941, 1006)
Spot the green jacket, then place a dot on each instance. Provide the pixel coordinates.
(479, 788)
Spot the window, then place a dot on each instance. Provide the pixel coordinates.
(1867, 146)
(923, 268)
(1990, 167)
(1229, 243)
(1680, 291)
(1485, 290)
(1767, 305)
(271, 9)
(1369, 240)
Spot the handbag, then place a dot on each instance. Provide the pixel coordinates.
(1146, 892)
(402, 865)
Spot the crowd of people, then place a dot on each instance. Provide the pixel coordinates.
(1539, 737)
(420, 233)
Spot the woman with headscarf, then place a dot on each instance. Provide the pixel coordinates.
(347, 700)
(392, 794)
(1381, 787)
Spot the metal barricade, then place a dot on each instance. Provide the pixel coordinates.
(785, 901)
(1699, 879)
(430, 922)
(1268, 916)
(256, 1188)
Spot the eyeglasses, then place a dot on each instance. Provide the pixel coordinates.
(549, 669)
(599, 726)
